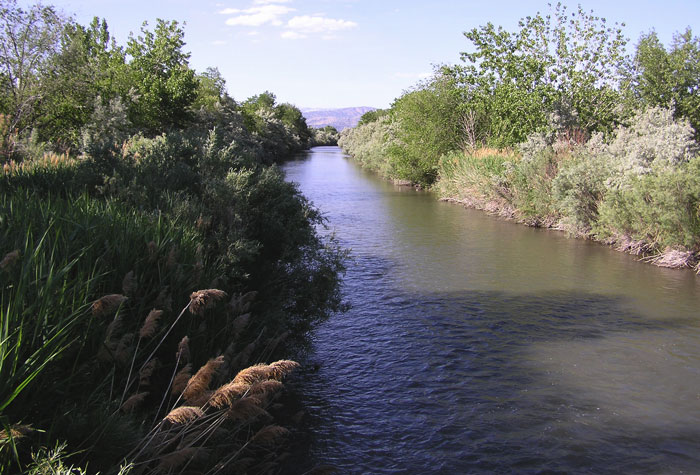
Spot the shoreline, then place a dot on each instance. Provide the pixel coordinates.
(669, 258)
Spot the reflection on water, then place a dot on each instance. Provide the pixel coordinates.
(475, 344)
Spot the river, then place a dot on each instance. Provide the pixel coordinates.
(478, 345)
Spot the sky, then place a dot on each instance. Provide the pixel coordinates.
(348, 53)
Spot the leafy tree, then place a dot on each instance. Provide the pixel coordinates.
(29, 38)
(89, 66)
(564, 63)
(669, 78)
(428, 127)
(371, 116)
(162, 79)
(211, 90)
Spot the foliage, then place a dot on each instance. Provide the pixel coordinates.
(369, 145)
(661, 208)
(427, 127)
(669, 78)
(327, 135)
(160, 73)
(28, 40)
(515, 81)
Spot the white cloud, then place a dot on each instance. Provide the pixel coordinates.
(265, 2)
(257, 16)
(292, 35)
(218, 42)
(318, 24)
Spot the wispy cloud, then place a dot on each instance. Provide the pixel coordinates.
(292, 35)
(218, 42)
(318, 24)
(257, 16)
(265, 2)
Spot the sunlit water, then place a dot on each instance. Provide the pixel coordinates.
(478, 345)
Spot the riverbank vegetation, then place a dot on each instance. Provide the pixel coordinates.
(556, 125)
(153, 261)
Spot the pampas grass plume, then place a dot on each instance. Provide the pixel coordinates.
(183, 350)
(280, 369)
(253, 374)
(129, 283)
(184, 415)
(131, 404)
(150, 325)
(107, 304)
(268, 435)
(199, 383)
(9, 259)
(204, 299)
(227, 394)
(180, 380)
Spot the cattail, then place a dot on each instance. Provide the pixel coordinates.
(280, 369)
(129, 283)
(180, 380)
(227, 394)
(9, 259)
(184, 415)
(150, 325)
(268, 435)
(183, 350)
(107, 304)
(199, 383)
(239, 324)
(204, 299)
(131, 404)
(253, 374)
(147, 371)
(247, 409)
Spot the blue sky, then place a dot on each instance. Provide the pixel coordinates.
(342, 53)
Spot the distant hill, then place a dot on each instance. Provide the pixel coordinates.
(338, 118)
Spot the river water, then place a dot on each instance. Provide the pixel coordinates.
(478, 345)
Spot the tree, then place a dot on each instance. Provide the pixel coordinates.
(89, 65)
(427, 127)
(670, 78)
(561, 62)
(28, 41)
(165, 85)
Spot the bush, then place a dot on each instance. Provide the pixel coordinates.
(661, 208)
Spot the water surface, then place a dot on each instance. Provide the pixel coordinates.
(478, 345)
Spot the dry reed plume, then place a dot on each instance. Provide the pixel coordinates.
(107, 304)
(227, 394)
(129, 283)
(9, 259)
(269, 435)
(133, 403)
(181, 379)
(204, 299)
(183, 350)
(246, 409)
(199, 383)
(174, 460)
(184, 415)
(150, 325)
(253, 374)
(147, 371)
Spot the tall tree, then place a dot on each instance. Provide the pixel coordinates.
(165, 85)
(669, 78)
(29, 38)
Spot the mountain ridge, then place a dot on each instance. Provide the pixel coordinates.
(340, 118)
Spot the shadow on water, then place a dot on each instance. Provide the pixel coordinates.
(494, 381)
(476, 345)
